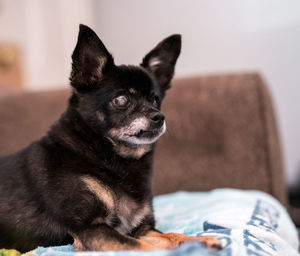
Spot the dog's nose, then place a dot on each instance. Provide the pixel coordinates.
(157, 118)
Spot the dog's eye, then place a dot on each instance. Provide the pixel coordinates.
(121, 101)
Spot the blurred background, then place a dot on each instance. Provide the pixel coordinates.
(37, 38)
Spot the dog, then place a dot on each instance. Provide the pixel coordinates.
(88, 180)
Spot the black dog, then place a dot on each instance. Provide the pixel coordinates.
(88, 181)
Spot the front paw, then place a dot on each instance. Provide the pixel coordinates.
(212, 243)
(144, 246)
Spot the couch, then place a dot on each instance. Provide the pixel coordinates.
(221, 132)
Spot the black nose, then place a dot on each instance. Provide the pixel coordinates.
(157, 119)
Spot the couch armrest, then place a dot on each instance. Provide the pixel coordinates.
(221, 132)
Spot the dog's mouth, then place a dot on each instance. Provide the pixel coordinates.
(145, 136)
(146, 133)
(138, 132)
(137, 137)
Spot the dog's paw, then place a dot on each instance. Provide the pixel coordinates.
(210, 242)
(144, 246)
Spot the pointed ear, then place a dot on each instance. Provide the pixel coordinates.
(162, 59)
(90, 59)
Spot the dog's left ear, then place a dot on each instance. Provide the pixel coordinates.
(90, 60)
(162, 59)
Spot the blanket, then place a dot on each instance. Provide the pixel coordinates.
(246, 222)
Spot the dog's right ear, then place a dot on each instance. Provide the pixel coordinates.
(90, 59)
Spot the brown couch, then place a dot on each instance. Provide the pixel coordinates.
(221, 132)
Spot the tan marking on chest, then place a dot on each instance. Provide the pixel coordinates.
(102, 192)
(131, 214)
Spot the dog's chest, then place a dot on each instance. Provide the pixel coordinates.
(130, 214)
(123, 212)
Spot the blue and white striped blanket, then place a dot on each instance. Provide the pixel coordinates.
(247, 223)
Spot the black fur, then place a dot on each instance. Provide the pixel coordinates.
(43, 201)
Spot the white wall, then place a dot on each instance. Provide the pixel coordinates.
(218, 36)
(46, 32)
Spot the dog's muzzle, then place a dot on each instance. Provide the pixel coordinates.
(142, 130)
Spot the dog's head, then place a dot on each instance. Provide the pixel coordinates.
(122, 103)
